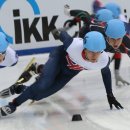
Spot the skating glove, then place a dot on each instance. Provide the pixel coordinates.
(67, 10)
(112, 101)
(119, 80)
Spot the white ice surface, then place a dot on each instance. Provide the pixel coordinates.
(84, 95)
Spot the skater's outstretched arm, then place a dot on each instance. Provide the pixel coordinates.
(106, 75)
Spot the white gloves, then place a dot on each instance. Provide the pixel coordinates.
(119, 80)
(67, 10)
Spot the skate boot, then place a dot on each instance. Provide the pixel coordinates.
(8, 109)
(14, 89)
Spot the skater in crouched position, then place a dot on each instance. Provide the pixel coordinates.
(8, 56)
(65, 62)
(116, 40)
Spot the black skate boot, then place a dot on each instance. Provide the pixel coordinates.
(14, 89)
(8, 109)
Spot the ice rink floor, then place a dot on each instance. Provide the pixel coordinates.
(84, 95)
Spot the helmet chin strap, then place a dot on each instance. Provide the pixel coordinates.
(86, 57)
(3, 57)
(108, 40)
